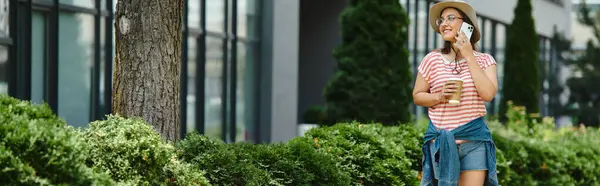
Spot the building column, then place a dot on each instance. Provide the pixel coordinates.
(279, 71)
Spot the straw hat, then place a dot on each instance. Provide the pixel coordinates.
(436, 10)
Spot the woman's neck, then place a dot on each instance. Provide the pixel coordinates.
(454, 54)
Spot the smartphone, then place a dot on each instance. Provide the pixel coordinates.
(467, 29)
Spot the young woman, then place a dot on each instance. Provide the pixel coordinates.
(458, 148)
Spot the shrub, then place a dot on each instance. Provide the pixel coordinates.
(315, 115)
(323, 167)
(223, 165)
(132, 152)
(295, 163)
(37, 148)
(369, 160)
(521, 68)
(531, 152)
(373, 78)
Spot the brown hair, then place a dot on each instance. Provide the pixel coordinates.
(447, 45)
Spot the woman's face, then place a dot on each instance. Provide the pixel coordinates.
(449, 24)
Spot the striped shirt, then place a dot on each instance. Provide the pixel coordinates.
(436, 69)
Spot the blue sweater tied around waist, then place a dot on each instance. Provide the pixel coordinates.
(446, 149)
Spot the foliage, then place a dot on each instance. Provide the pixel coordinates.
(561, 45)
(131, 151)
(37, 148)
(584, 98)
(373, 79)
(371, 154)
(531, 151)
(315, 115)
(522, 82)
(295, 163)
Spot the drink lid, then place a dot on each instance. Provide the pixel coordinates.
(455, 79)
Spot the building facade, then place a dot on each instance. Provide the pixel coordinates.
(250, 68)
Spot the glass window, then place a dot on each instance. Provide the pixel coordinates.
(102, 65)
(213, 100)
(4, 18)
(247, 58)
(76, 51)
(194, 13)
(38, 56)
(80, 3)
(104, 7)
(3, 69)
(247, 54)
(243, 15)
(191, 77)
(215, 14)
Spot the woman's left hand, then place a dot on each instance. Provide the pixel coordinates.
(463, 45)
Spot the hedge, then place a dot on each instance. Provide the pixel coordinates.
(37, 148)
(133, 153)
(294, 163)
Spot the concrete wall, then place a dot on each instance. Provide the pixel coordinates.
(319, 35)
(279, 70)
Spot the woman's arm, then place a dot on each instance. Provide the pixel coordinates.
(423, 97)
(485, 81)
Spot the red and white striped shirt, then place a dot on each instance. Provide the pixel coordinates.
(436, 70)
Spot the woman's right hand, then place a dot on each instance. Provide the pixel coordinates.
(447, 91)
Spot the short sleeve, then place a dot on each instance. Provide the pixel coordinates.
(487, 61)
(426, 66)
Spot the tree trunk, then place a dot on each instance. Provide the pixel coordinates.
(147, 63)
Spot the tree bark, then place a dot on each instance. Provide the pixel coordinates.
(148, 63)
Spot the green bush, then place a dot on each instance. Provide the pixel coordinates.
(315, 115)
(371, 154)
(373, 78)
(533, 152)
(133, 153)
(37, 148)
(295, 163)
(223, 165)
(522, 82)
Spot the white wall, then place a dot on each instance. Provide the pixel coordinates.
(284, 81)
(546, 13)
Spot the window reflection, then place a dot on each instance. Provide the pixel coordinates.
(102, 65)
(245, 91)
(76, 37)
(247, 53)
(215, 15)
(80, 3)
(194, 13)
(213, 100)
(3, 69)
(191, 86)
(4, 18)
(38, 56)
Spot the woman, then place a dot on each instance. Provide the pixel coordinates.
(458, 147)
